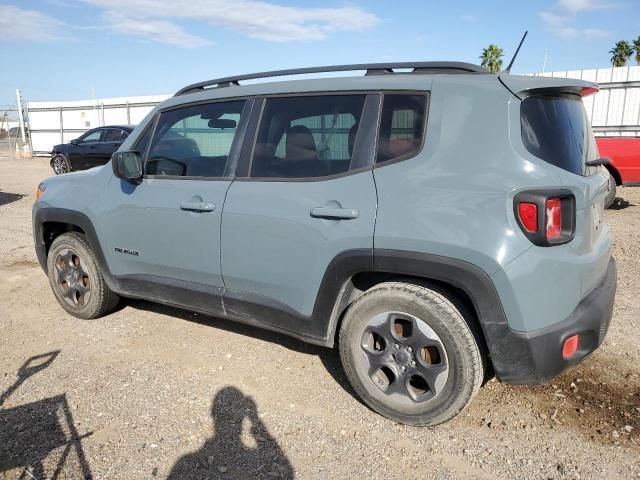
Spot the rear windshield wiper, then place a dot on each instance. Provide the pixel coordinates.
(598, 161)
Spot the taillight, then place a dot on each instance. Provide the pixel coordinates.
(554, 218)
(528, 213)
(546, 217)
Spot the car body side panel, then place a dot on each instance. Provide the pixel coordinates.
(624, 154)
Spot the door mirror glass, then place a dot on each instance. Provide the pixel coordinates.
(127, 165)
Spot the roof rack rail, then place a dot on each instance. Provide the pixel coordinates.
(371, 69)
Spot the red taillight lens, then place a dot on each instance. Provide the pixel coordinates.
(570, 347)
(528, 213)
(554, 218)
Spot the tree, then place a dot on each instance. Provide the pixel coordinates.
(491, 58)
(621, 53)
(636, 47)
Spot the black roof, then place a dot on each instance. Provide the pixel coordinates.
(370, 68)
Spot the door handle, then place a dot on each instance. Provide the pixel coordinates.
(333, 213)
(195, 206)
(93, 147)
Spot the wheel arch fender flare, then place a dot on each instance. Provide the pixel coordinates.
(71, 218)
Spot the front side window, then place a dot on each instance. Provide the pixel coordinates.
(91, 137)
(194, 141)
(306, 137)
(401, 126)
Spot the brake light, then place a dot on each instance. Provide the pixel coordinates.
(528, 213)
(585, 92)
(554, 218)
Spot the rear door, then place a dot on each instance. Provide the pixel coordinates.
(165, 232)
(306, 196)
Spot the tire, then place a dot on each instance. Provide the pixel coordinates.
(410, 355)
(611, 196)
(76, 279)
(60, 164)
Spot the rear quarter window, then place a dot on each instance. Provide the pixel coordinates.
(555, 128)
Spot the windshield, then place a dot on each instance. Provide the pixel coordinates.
(555, 128)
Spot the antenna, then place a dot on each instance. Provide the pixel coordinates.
(508, 70)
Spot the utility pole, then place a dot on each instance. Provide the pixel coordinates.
(544, 64)
(26, 151)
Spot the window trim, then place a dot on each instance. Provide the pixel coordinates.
(418, 151)
(241, 131)
(245, 174)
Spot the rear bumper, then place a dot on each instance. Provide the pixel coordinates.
(536, 356)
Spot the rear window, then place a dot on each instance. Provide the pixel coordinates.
(555, 128)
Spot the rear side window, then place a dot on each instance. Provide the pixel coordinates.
(194, 141)
(306, 137)
(401, 126)
(114, 135)
(555, 128)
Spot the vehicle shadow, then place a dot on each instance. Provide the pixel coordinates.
(227, 454)
(37, 439)
(620, 204)
(6, 197)
(328, 356)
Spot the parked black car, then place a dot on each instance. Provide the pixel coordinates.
(93, 148)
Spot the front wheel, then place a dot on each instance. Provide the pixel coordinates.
(60, 164)
(409, 354)
(76, 279)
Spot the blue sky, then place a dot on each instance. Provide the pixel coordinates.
(61, 49)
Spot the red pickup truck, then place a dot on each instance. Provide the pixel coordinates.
(624, 168)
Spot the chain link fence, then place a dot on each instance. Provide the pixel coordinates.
(11, 143)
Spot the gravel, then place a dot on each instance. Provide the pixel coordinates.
(155, 392)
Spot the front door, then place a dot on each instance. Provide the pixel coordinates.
(86, 151)
(163, 235)
(309, 197)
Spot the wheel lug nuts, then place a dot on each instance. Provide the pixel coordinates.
(396, 346)
(410, 349)
(403, 368)
(413, 363)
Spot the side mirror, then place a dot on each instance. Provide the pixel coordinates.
(127, 165)
(75, 141)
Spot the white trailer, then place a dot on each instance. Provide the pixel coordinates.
(51, 123)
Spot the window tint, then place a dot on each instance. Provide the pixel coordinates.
(194, 141)
(114, 135)
(303, 137)
(91, 137)
(401, 126)
(556, 129)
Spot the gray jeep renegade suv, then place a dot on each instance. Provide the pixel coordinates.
(438, 224)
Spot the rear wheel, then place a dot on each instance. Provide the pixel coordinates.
(409, 354)
(60, 164)
(76, 279)
(611, 196)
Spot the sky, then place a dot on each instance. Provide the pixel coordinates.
(73, 49)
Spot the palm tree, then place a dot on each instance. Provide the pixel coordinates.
(491, 58)
(621, 53)
(636, 47)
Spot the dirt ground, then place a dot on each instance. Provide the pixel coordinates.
(156, 392)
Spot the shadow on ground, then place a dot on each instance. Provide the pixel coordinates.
(620, 204)
(6, 198)
(329, 357)
(241, 445)
(39, 439)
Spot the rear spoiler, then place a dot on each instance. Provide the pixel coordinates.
(524, 85)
